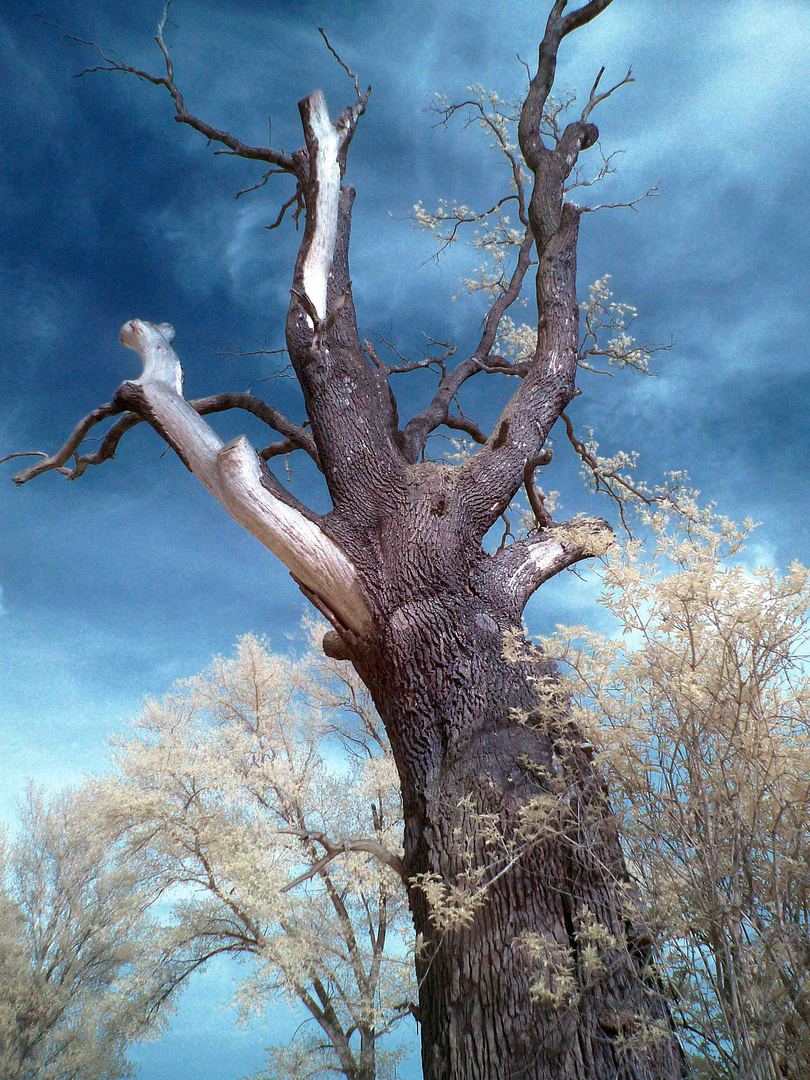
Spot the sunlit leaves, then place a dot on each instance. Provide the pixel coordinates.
(701, 714)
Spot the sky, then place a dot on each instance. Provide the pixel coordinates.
(114, 586)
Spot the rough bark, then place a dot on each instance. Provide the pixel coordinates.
(449, 700)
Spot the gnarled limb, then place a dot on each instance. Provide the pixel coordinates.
(233, 474)
(525, 565)
(297, 437)
(58, 461)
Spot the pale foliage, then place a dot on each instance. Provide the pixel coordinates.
(220, 799)
(78, 977)
(700, 714)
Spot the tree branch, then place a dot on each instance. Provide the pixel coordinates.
(296, 437)
(58, 460)
(333, 849)
(235, 477)
(496, 472)
(419, 427)
(525, 565)
(594, 98)
(536, 500)
(589, 11)
(183, 116)
(343, 393)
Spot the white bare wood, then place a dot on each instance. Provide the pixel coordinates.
(232, 474)
(300, 544)
(318, 259)
(541, 560)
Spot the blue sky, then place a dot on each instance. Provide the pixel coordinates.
(118, 584)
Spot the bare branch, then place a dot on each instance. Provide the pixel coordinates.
(456, 219)
(594, 98)
(536, 499)
(23, 453)
(261, 183)
(297, 198)
(277, 449)
(651, 193)
(493, 123)
(342, 63)
(297, 437)
(609, 480)
(333, 849)
(427, 362)
(420, 426)
(58, 460)
(346, 123)
(183, 116)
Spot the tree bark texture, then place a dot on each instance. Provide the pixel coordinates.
(452, 705)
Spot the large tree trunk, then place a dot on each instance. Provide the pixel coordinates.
(474, 747)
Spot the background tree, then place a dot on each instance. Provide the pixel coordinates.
(79, 972)
(260, 800)
(418, 605)
(701, 714)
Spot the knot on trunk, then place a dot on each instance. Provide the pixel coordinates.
(588, 136)
(335, 647)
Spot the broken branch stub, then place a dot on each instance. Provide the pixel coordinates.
(233, 475)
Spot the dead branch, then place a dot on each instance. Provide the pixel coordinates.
(261, 183)
(346, 123)
(182, 115)
(594, 98)
(297, 437)
(297, 198)
(651, 193)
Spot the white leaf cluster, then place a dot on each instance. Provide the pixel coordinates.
(606, 334)
(700, 713)
(79, 961)
(238, 796)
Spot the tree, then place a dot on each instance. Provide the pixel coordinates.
(418, 605)
(701, 717)
(226, 803)
(78, 971)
